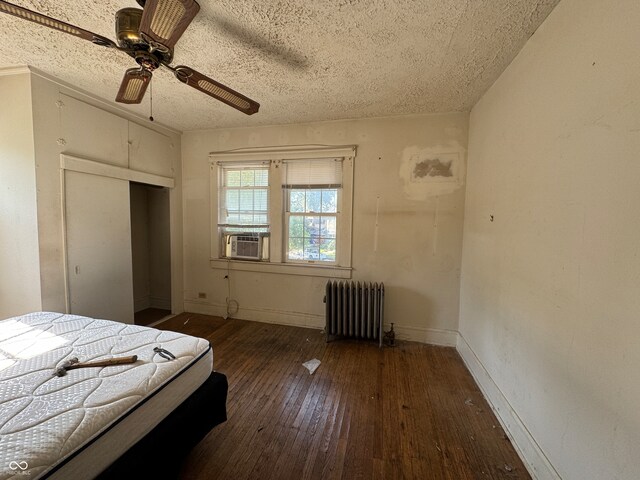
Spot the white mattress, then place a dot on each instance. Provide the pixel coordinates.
(75, 426)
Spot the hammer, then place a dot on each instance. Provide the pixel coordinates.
(72, 363)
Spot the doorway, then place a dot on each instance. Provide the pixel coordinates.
(151, 252)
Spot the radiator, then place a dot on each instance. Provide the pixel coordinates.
(354, 309)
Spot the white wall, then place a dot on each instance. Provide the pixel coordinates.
(549, 294)
(420, 224)
(19, 265)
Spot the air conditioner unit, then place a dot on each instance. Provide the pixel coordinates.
(246, 246)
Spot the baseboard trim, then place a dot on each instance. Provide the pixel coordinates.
(279, 317)
(160, 302)
(537, 463)
(432, 336)
(141, 303)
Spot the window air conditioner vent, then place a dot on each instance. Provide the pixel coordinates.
(245, 246)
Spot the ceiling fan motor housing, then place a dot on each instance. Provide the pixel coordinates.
(129, 37)
(128, 28)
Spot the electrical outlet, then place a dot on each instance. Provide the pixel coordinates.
(202, 295)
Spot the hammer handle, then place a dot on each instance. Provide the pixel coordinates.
(105, 363)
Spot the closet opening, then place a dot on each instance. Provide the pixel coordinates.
(151, 252)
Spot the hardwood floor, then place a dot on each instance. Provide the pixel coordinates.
(412, 411)
(150, 315)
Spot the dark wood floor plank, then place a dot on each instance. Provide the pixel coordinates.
(408, 412)
(150, 315)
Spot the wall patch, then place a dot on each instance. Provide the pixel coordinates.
(432, 168)
(428, 172)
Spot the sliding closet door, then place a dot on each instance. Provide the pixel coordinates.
(98, 236)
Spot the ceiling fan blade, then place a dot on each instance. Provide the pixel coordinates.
(164, 21)
(133, 86)
(26, 14)
(215, 89)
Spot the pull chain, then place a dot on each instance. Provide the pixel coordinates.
(151, 99)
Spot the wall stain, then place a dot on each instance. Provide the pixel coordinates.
(432, 168)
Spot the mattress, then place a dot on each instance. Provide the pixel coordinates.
(74, 426)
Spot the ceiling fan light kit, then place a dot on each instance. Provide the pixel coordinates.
(148, 36)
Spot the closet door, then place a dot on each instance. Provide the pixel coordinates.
(98, 238)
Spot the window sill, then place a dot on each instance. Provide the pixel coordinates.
(331, 271)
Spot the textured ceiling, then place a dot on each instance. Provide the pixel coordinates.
(303, 60)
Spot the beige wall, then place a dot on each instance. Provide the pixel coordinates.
(417, 252)
(549, 293)
(19, 265)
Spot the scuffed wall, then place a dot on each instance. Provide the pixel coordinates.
(407, 228)
(549, 289)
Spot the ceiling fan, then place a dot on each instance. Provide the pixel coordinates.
(147, 35)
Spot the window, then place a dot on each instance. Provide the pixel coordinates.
(312, 197)
(294, 202)
(244, 198)
(243, 218)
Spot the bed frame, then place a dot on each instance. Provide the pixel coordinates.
(161, 452)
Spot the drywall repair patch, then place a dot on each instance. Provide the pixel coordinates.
(430, 172)
(433, 168)
(430, 168)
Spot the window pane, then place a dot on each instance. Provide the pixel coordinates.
(247, 178)
(311, 227)
(314, 201)
(328, 227)
(328, 250)
(260, 199)
(233, 199)
(296, 226)
(296, 200)
(311, 249)
(262, 178)
(295, 249)
(246, 200)
(329, 201)
(233, 178)
(260, 219)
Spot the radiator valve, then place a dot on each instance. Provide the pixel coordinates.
(390, 337)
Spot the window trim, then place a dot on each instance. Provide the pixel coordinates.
(275, 156)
